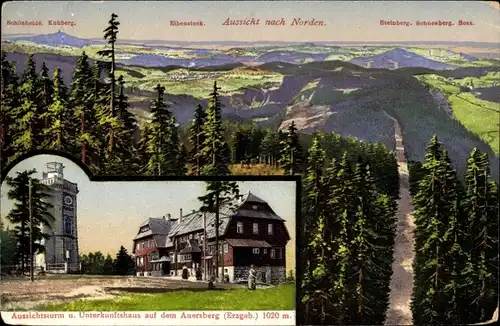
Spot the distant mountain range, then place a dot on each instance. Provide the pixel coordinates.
(400, 58)
(61, 38)
(56, 39)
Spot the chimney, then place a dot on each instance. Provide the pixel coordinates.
(164, 216)
(169, 217)
(180, 216)
(194, 210)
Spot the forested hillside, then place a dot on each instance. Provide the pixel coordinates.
(350, 188)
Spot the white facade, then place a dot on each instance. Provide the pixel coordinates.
(62, 251)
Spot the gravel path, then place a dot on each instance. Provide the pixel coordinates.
(399, 312)
(22, 294)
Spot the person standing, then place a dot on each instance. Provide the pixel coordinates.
(252, 278)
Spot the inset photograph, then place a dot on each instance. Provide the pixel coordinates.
(72, 244)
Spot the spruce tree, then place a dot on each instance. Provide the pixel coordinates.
(481, 205)
(340, 206)
(162, 139)
(241, 146)
(215, 150)
(313, 225)
(456, 261)
(291, 151)
(434, 205)
(123, 264)
(196, 139)
(219, 194)
(128, 151)
(19, 215)
(29, 133)
(270, 148)
(110, 34)
(9, 110)
(46, 87)
(83, 95)
(59, 121)
(371, 251)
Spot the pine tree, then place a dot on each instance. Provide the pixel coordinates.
(215, 150)
(340, 206)
(19, 215)
(128, 152)
(456, 261)
(371, 252)
(219, 194)
(46, 95)
(29, 112)
(434, 204)
(291, 151)
(107, 268)
(9, 110)
(270, 148)
(416, 173)
(481, 205)
(123, 264)
(241, 146)
(59, 122)
(314, 255)
(110, 34)
(83, 95)
(162, 139)
(196, 139)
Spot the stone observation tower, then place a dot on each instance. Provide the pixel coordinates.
(62, 254)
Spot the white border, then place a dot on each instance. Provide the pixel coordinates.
(42, 318)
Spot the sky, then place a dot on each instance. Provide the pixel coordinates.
(344, 21)
(109, 213)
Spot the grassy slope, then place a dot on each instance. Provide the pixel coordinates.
(278, 298)
(410, 103)
(479, 116)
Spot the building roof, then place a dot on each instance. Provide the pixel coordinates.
(248, 243)
(157, 226)
(194, 222)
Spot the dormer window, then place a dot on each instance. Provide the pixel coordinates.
(255, 207)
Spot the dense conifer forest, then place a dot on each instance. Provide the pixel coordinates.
(350, 189)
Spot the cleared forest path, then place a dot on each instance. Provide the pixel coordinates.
(399, 312)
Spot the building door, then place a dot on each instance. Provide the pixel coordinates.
(166, 268)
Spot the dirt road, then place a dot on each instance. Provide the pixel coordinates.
(26, 295)
(399, 312)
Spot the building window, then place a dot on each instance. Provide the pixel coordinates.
(273, 254)
(270, 229)
(239, 227)
(226, 248)
(256, 251)
(255, 207)
(255, 228)
(265, 251)
(278, 253)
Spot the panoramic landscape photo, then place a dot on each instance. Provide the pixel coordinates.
(389, 111)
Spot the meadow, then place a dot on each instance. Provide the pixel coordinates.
(281, 297)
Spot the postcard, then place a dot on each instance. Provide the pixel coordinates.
(374, 123)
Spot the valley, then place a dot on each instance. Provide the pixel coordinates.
(347, 89)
